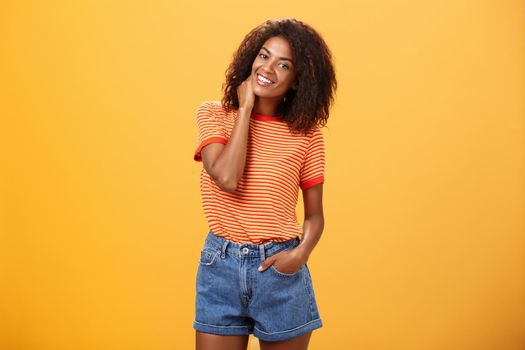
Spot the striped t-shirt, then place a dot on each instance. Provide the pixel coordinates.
(278, 163)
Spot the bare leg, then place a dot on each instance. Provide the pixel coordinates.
(208, 341)
(298, 343)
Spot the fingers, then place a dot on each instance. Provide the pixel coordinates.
(245, 92)
(266, 263)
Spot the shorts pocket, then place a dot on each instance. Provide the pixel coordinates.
(208, 257)
(286, 274)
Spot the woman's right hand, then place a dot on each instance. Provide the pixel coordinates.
(245, 94)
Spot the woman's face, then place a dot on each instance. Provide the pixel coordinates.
(274, 62)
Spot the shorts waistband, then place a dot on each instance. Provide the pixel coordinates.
(248, 249)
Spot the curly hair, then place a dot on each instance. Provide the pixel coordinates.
(307, 105)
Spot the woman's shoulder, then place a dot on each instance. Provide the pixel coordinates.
(313, 132)
(215, 107)
(213, 110)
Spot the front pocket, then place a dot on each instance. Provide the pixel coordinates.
(286, 274)
(208, 257)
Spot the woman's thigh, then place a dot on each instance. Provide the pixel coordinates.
(298, 343)
(208, 341)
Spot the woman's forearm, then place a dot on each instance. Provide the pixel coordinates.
(231, 162)
(312, 229)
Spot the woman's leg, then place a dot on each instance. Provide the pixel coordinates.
(208, 341)
(298, 343)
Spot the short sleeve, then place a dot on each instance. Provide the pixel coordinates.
(210, 128)
(313, 168)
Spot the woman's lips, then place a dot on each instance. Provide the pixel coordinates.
(262, 81)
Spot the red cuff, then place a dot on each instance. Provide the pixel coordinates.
(312, 182)
(197, 155)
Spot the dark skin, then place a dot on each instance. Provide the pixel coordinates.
(225, 164)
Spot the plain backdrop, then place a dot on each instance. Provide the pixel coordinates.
(101, 223)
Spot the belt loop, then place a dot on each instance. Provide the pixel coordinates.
(223, 251)
(261, 250)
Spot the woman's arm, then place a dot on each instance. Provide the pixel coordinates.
(313, 220)
(225, 163)
(291, 260)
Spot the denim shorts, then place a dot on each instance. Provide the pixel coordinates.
(234, 298)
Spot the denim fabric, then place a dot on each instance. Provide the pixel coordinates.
(234, 298)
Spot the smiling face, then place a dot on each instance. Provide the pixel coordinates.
(273, 69)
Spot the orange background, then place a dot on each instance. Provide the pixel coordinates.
(101, 223)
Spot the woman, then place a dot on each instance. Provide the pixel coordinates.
(258, 146)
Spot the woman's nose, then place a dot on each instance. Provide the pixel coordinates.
(268, 67)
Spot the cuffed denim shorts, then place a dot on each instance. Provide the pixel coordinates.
(234, 298)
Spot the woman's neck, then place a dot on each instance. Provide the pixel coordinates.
(266, 106)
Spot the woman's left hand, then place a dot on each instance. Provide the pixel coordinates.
(287, 261)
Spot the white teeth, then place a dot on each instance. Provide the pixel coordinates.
(263, 79)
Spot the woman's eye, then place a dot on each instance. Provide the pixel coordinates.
(264, 56)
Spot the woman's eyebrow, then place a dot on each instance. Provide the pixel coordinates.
(282, 58)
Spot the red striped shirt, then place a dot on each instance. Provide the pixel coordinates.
(278, 163)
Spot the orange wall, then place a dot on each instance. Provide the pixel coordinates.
(101, 221)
